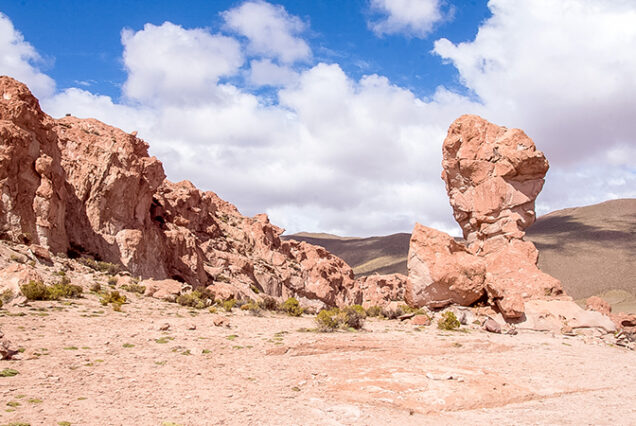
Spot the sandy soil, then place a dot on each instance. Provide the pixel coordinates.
(100, 367)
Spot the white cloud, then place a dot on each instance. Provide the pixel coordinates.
(271, 31)
(168, 63)
(264, 72)
(18, 59)
(410, 17)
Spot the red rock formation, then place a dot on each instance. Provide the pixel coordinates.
(381, 290)
(81, 185)
(493, 175)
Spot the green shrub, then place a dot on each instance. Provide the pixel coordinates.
(255, 289)
(37, 290)
(106, 267)
(112, 297)
(134, 288)
(374, 311)
(252, 307)
(268, 303)
(328, 319)
(292, 308)
(9, 372)
(228, 305)
(198, 299)
(112, 280)
(353, 316)
(448, 321)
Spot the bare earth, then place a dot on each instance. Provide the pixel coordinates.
(101, 367)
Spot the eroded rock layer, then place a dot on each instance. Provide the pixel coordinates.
(80, 186)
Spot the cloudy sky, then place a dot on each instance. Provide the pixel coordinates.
(330, 115)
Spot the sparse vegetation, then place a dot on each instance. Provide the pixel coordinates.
(9, 372)
(448, 321)
(134, 288)
(374, 311)
(229, 304)
(349, 317)
(268, 304)
(106, 267)
(112, 280)
(37, 290)
(114, 298)
(127, 345)
(198, 299)
(96, 287)
(291, 307)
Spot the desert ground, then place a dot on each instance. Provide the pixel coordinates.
(86, 364)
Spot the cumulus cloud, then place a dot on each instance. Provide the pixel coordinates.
(410, 17)
(271, 31)
(362, 156)
(171, 64)
(19, 60)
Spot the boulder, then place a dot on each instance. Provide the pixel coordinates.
(421, 320)
(380, 290)
(598, 304)
(162, 289)
(492, 326)
(12, 278)
(554, 315)
(442, 271)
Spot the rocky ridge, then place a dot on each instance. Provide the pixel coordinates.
(79, 187)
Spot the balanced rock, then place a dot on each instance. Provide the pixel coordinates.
(493, 176)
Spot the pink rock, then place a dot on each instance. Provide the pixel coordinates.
(380, 290)
(162, 289)
(493, 175)
(598, 304)
(442, 271)
(421, 320)
(12, 278)
(492, 326)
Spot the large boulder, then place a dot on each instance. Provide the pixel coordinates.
(381, 290)
(442, 271)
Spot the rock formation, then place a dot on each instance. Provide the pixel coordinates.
(493, 175)
(81, 187)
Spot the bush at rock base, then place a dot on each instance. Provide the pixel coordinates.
(268, 304)
(113, 297)
(37, 290)
(229, 304)
(292, 308)
(196, 299)
(348, 317)
(448, 321)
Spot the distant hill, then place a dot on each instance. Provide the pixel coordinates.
(591, 249)
(367, 256)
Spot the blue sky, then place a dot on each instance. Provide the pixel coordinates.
(330, 115)
(80, 40)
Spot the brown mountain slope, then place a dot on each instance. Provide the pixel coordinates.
(591, 249)
(367, 256)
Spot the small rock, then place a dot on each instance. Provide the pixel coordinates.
(421, 320)
(220, 321)
(492, 326)
(192, 327)
(164, 327)
(7, 349)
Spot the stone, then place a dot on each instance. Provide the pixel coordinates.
(442, 271)
(491, 326)
(7, 349)
(162, 289)
(598, 304)
(421, 320)
(220, 321)
(555, 315)
(12, 278)
(380, 290)
(164, 327)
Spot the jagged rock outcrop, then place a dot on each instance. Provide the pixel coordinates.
(381, 290)
(493, 175)
(86, 188)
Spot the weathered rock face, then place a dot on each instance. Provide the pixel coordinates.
(81, 186)
(493, 175)
(442, 271)
(381, 290)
